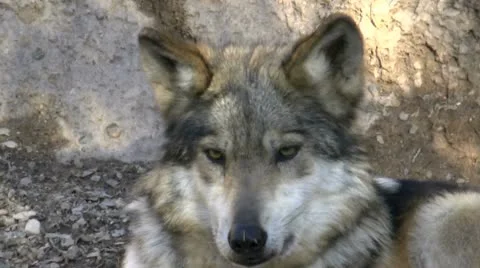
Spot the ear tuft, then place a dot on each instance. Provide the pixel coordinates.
(176, 70)
(328, 65)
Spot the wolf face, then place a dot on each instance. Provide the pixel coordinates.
(261, 135)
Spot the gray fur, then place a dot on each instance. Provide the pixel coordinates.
(320, 208)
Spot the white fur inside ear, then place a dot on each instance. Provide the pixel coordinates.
(316, 66)
(184, 77)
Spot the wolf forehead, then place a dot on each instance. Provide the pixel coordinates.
(245, 107)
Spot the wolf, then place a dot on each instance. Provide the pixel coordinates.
(261, 167)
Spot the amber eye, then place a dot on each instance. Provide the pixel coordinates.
(215, 156)
(287, 153)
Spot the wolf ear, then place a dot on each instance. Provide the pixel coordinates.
(176, 70)
(328, 65)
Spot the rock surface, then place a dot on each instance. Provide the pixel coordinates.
(71, 75)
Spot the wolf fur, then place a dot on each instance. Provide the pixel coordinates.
(259, 137)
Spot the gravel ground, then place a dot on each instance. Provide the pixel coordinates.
(62, 215)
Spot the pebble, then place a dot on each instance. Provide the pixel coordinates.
(111, 182)
(10, 144)
(72, 253)
(88, 172)
(32, 226)
(95, 178)
(403, 116)
(77, 163)
(118, 233)
(108, 203)
(413, 129)
(3, 212)
(25, 181)
(24, 215)
(461, 181)
(113, 131)
(38, 54)
(67, 241)
(380, 139)
(79, 224)
(4, 131)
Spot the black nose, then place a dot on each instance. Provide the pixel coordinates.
(247, 239)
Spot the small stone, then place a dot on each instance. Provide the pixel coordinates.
(4, 131)
(65, 206)
(449, 177)
(95, 178)
(25, 181)
(10, 144)
(461, 180)
(118, 233)
(31, 165)
(38, 54)
(7, 221)
(24, 215)
(67, 241)
(108, 203)
(403, 116)
(118, 175)
(77, 210)
(100, 15)
(88, 172)
(380, 139)
(3, 212)
(113, 131)
(418, 65)
(429, 174)
(413, 129)
(32, 226)
(77, 163)
(79, 224)
(111, 182)
(72, 253)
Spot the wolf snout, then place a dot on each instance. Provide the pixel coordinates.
(247, 239)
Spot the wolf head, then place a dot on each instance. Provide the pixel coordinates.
(263, 133)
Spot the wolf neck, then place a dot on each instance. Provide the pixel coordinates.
(363, 243)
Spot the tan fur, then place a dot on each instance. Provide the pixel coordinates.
(446, 232)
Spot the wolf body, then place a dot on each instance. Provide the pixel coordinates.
(261, 168)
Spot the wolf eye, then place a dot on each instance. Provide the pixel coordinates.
(287, 153)
(215, 156)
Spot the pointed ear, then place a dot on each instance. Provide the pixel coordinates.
(176, 70)
(328, 65)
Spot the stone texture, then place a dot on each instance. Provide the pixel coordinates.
(76, 62)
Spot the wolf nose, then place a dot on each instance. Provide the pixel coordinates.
(247, 239)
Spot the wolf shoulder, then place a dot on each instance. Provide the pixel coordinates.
(435, 223)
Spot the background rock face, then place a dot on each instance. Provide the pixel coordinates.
(71, 83)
